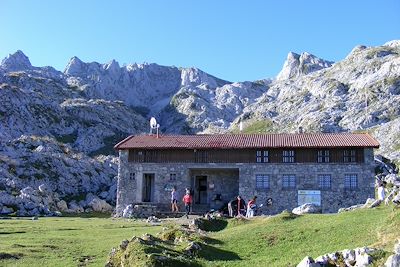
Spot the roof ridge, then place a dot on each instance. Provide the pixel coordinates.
(241, 141)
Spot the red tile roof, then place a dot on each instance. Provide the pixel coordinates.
(304, 140)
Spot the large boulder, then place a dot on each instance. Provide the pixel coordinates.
(367, 203)
(75, 208)
(396, 248)
(308, 262)
(306, 208)
(62, 206)
(100, 205)
(128, 211)
(363, 259)
(6, 210)
(393, 261)
(7, 199)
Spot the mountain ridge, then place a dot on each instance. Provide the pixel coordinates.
(82, 112)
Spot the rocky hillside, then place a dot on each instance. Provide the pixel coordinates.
(54, 126)
(360, 93)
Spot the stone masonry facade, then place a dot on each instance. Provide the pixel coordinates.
(227, 180)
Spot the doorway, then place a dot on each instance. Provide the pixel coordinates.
(148, 187)
(201, 195)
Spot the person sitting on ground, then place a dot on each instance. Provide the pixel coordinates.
(235, 206)
(251, 207)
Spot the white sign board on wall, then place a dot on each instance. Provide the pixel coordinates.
(309, 196)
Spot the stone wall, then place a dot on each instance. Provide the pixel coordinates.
(228, 180)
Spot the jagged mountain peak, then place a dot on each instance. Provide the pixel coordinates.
(112, 66)
(393, 43)
(16, 61)
(292, 56)
(297, 65)
(74, 67)
(192, 75)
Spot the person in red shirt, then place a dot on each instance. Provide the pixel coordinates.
(251, 207)
(187, 200)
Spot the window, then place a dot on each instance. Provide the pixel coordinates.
(258, 156)
(132, 176)
(201, 156)
(289, 181)
(150, 156)
(323, 156)
(262, 181)
(350, 181)
(262, 156)
(288, 156)
(349, 155)
(324, 181)
(140, 156)
(172, 176)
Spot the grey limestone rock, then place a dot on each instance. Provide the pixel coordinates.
(128, 211)
(308, 262)
(393, 261)
(62, 206)
(6, 210)
(306, 208)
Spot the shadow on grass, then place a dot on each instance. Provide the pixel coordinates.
(69, 229)
(87, 215)
(213, 225)
(10, 233)
(9, 256)
(211, 253)
(212, 241)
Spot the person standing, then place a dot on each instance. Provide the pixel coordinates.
(235, 206)
(187, 200)
(251, 207)
(381, 191)
(174, 200)
(380, 195)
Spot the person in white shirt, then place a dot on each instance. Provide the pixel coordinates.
(381, 191)
(381, 194)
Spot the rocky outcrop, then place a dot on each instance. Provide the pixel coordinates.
(16, 62)
(297, 65)
(139, 211)
(306, 208)
(394, 260)
(350, 257)
(367, 204)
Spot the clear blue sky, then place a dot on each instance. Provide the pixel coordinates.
(233, 40)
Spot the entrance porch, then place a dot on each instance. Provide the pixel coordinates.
(213, 187)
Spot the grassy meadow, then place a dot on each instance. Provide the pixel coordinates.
(282, 240)
(64, 241)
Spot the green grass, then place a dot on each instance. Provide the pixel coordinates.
(64, 241)
(285, 240)
(282, 240)
(263, 126)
